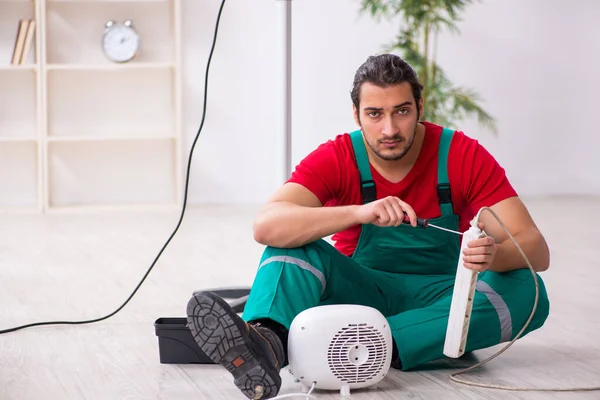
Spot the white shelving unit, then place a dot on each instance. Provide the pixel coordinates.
(78, 131)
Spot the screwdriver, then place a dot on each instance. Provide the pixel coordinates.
(424, 223)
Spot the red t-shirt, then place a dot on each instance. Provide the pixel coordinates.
(476, 180)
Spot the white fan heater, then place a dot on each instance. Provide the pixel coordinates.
(339, 347)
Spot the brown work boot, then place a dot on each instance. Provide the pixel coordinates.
(251, 353)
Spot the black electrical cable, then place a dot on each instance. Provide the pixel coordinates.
(187, 179)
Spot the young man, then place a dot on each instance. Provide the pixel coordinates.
(367, 189)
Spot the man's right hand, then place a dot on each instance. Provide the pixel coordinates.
(295, 216)
(388, 211)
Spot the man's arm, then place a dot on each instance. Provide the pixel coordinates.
(515, 216)
(294, 216)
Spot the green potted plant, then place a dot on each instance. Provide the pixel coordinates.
(446, 104)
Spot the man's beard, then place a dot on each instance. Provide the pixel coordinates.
(397, 154)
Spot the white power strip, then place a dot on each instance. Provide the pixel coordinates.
(462, 300)
(458, 324)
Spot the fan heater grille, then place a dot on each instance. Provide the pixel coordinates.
(356, 353)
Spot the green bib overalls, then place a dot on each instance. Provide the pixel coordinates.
(406, 273)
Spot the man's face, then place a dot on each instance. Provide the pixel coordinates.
(388, 118)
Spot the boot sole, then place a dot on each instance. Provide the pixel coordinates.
(223, 336)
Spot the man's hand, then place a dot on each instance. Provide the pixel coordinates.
(519, 223)
(388, 211)
(480, 253)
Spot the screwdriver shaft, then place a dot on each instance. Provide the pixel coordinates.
(444, 229)
(424, 223)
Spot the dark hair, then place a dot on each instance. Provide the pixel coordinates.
(385, 70)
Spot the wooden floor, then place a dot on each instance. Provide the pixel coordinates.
(83, 266)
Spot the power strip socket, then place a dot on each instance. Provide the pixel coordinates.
(462, 300)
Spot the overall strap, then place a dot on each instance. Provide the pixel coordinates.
(367, 186)
(443, 186)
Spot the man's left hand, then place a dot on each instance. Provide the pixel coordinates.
(480, 253)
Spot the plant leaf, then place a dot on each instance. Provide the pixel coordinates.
(445, 104)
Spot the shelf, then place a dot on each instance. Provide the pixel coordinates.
(136, 207)
(111, 67)
(18, 68)
(18, 209)
(18, 107)
(100, 1)
(18, 174)
(109, 173)
(11, 12)
(75, 30)
(79, 132)
(110, 138)
(114, 101)
(16, 139)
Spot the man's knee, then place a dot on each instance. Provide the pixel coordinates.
(311, 252)
(515, 291)
(311, 258)
(543, 304)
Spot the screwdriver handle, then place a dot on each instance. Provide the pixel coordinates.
(422, 222)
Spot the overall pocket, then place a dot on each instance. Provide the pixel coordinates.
(409, 250)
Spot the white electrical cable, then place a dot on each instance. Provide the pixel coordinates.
(306, 395)
(537, 291)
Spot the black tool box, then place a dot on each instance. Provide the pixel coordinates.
(175, 342)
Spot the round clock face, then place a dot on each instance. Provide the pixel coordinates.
(120, 43)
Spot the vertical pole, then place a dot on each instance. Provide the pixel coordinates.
(284, 89)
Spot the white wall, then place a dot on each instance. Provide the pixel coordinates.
(535, 63)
